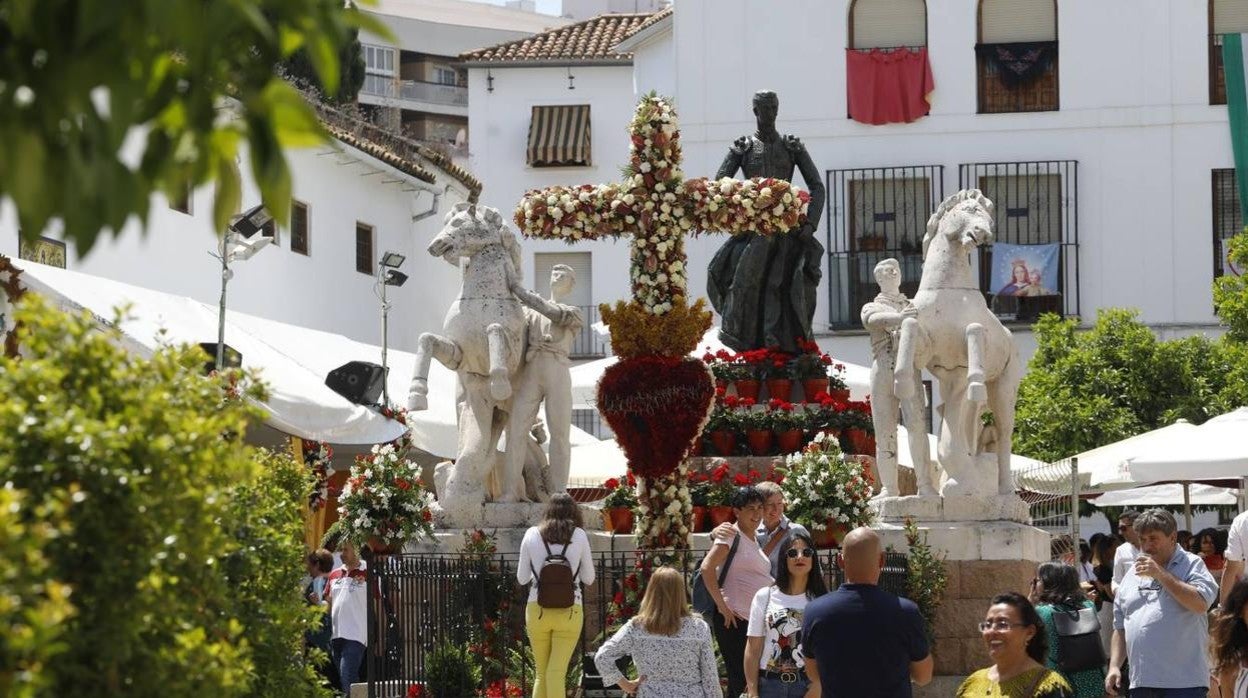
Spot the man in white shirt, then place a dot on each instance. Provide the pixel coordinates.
(1126, 554)
(1236, 553)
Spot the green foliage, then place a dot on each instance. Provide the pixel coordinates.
(1230, 293)
(79, 76)
(300, 69)
(265, 569)
(1087, 389)
(33, 606)
(452, 671)
(145, 503)
(926, 578)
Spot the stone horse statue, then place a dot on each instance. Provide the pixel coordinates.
(965, 347)
(482, 342)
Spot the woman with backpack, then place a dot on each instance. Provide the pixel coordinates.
(555, 557)
(1074, 633)
(670, 645)
(774, 662)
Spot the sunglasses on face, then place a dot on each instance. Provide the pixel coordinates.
(804, 552)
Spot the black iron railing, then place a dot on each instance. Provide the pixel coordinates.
(588, 344)
(1036, 203)
(1228, 220)
(873, 214)
(432, 615)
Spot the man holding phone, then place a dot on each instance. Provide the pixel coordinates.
(1160, 616)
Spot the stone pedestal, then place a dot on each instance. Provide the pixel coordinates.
(989, 548)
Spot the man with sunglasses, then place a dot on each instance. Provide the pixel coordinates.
(1160, 616)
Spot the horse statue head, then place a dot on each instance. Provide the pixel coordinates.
(468, 229)
(964, 220)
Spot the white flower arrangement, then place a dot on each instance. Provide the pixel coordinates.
(822, 487)
(385, 499)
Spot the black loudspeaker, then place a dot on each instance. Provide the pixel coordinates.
(358, 381)
(232, 358)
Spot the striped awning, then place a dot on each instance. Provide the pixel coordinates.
(559, 135)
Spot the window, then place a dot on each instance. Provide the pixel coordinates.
(298, 227)
(1035, 204)
(874, 214)
(1016, 56)
(183, 203)
(887, 23)
(364, 248)
(587, 343)
(378, 60)
(559, 136)
(445, 76)
(1228, 219)
(1225, 17)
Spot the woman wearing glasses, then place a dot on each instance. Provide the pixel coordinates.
(1017, 645)
(774, 663)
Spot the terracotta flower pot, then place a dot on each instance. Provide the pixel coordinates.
(790, 441)
(812, 387)
(860, 441)
(618, 520)
(720, 514)
(841, 394)
(748, 388)
(697, 521)
(759, 441)
(724, 441)
(779, 388)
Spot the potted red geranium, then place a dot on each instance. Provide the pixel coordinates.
(621, 500)
(719, 494)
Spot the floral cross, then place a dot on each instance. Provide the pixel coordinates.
(658, 207)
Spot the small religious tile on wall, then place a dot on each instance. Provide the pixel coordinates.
(43, 251)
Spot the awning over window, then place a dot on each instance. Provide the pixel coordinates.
(559, 135)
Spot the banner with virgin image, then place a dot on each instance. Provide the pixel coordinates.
(1024, 270)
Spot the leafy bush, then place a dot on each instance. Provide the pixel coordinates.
(1230, 293)
(452, 672)
(266, 521)
(926, 578)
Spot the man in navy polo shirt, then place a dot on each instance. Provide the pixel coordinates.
(861, 641)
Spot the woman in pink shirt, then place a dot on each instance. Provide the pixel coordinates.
(747, 570)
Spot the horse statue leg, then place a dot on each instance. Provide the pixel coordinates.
(904, 376)
(920, 450)
(976, 390)
(500, 376)
(428, 347)
(1002, 396)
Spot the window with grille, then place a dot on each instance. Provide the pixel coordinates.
(299, 227)
(1228, 219)
(1225, 17)
(364, 248)
(1016, 56)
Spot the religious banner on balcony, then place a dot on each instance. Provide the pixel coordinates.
(1024, 270)
(1234, 62)
(889, 87)
(1018, 63)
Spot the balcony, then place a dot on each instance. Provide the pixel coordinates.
(588, 344)
(1030, 85)
(417, 95)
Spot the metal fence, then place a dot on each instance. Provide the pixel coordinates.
(1052, 492)
(433, 617)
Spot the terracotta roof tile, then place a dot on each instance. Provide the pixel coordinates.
(592, 40)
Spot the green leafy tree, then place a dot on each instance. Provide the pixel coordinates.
(145, 453)
(78, 76)
(264, 570)
(1230, 293)
(302, 72)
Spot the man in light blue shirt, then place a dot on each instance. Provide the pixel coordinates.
(1160, 621)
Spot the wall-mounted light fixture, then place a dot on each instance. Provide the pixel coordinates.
(571, 77)
(489, 80)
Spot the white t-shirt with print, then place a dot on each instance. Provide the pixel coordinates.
(777, 618)
(348, 598)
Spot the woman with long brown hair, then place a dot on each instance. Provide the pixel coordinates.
(1229, 644)
(669, 643)
(555, 557)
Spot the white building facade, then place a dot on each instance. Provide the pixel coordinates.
(1117, 152)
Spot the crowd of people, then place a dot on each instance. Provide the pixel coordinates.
(1151, 612)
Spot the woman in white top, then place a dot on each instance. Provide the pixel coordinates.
(774, 662)
(669, 644)
(1228, 645)
(554, 632)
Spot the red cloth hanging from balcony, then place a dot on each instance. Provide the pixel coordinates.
(887, 87)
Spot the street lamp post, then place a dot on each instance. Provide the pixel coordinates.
(388, 274)
(240, 242)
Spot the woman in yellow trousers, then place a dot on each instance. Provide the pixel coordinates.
(558, 540)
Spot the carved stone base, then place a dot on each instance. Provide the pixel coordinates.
(933, 508)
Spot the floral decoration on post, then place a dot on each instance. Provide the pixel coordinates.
(823, 489)
(657, 410)
(384, 500)
(317, 456)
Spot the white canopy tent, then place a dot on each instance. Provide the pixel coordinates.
(1217, 449)
(1107, 466)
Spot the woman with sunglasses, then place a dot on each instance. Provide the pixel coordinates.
(1017, 645)
(774, 664)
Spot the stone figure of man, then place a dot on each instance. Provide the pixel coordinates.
(544, 376)
(882, 318)
(765, 288)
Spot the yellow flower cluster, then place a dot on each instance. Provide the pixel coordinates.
(637, 332)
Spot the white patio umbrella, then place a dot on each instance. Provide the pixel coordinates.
(1107, 467)
(1168, 494)
(1217, 449)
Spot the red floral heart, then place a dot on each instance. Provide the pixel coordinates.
(656, 406)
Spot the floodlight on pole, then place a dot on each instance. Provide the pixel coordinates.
(240, 243)
(387, 275)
